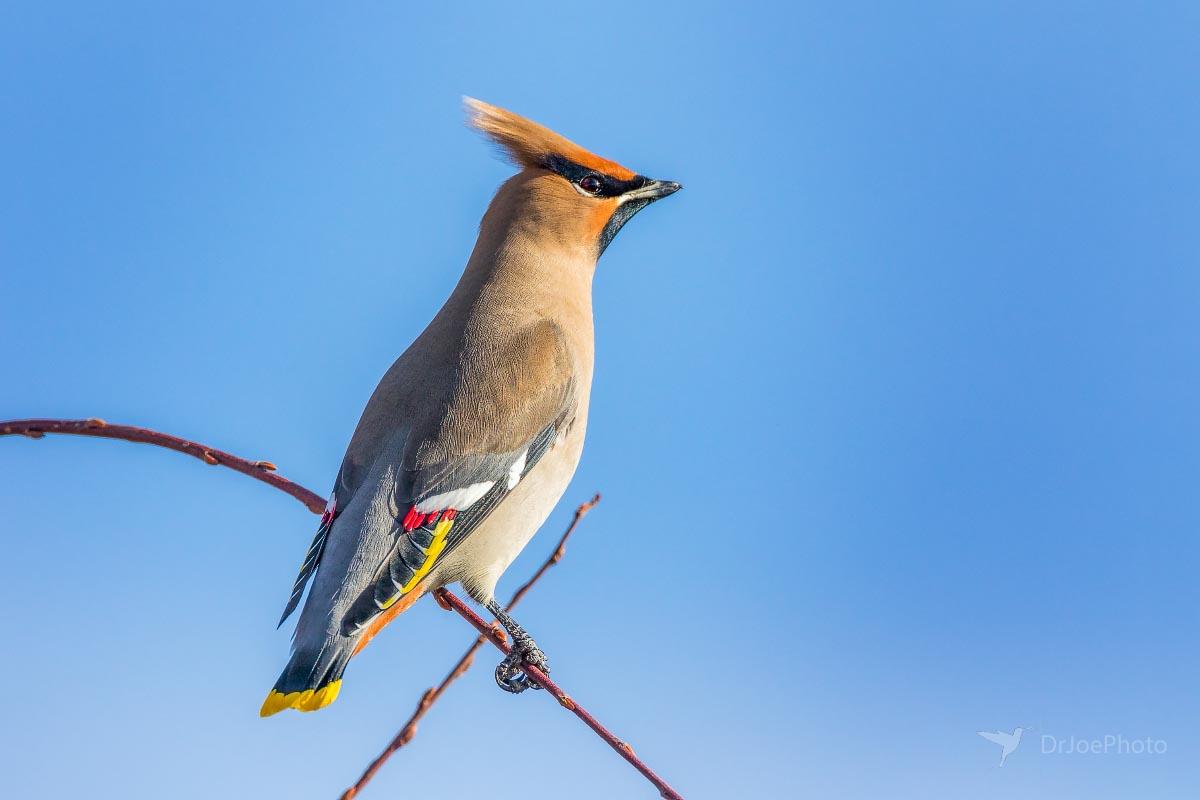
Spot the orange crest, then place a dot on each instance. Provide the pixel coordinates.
(530, 144)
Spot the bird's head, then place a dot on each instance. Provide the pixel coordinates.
(570, 194)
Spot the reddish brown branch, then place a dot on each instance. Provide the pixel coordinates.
(431, 695)
(559, 551)
(263, 471)
(622, 748)
(259, 470)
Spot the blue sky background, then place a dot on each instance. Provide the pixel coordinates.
(895, 412)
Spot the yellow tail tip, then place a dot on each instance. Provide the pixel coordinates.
(308, 700)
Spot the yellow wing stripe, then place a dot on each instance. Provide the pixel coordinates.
(435, 549)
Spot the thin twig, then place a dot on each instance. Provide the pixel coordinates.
(263, 471)
(259, 470)
(463, 664)
(447, 598)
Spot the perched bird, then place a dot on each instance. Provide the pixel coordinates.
(473, 433)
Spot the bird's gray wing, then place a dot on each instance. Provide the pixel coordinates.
(312, 557)
(508, 407)
(430, 529)
(504, 409)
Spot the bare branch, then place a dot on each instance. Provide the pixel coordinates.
(463, 664)
(446, 598)
(264, 471)
(259, 470)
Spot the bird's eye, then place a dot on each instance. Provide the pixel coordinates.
(590, 184)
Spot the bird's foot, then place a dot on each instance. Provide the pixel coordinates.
(511, 675)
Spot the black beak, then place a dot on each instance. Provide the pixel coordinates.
(653, 190)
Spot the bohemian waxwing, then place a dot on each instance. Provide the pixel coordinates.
(472, 435)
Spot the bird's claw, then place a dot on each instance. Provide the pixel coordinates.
(511, 675)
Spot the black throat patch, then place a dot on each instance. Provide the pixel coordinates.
(623, 214)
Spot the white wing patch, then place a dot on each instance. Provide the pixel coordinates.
(514, 472)
(458, 499)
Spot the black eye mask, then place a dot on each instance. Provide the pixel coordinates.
(609, 186)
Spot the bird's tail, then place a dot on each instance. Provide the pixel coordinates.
(310, 681)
